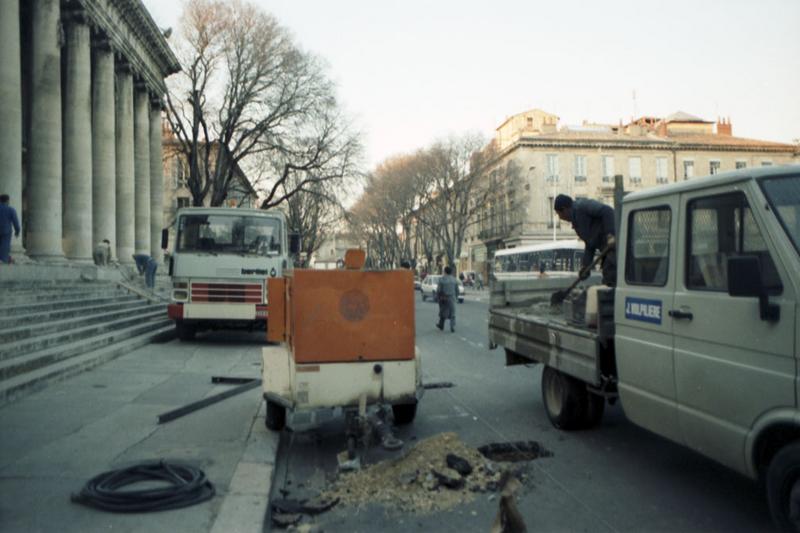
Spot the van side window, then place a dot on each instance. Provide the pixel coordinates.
(721, 227)
(647, 255)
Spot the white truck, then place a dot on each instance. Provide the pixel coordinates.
(221, 260)
(699, 338)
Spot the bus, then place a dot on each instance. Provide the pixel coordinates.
(219, 267)
(558, 258)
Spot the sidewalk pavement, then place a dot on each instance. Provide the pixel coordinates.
(53, 441)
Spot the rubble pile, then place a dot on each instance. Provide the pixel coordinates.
(437, 474)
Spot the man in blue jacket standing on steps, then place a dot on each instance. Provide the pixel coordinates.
(8, 220)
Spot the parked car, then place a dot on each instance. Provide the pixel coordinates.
(429, 288)
(417, 284)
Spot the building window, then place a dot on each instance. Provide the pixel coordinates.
(635, 169)
(661, 170)
(713, 167)
(608, 168)
(580, 168)
(183, 202)
(741, 164)
(530, 122)
(688, 169)
(552, 167)
(766, 163)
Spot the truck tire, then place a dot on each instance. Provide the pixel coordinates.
(595, 406)
(404, 413)
(276, 416)
(783, 488)
(184, 332)
(564, 399)
(424, 298)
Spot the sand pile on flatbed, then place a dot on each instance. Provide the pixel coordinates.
(418, 480)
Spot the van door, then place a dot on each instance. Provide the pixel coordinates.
(731, 366)
(643, 338)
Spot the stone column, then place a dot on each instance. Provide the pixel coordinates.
(44, 182)
(78, 142)
(156, 183)
(104, 168)
(141, 132)
(123, 139)
(11, 111)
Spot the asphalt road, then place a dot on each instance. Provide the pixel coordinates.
(617, 477)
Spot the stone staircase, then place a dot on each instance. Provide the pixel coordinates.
(52, 330)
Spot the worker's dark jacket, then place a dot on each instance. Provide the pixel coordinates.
(447, 293)
(594, 222)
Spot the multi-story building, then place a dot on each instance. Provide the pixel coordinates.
(538, 160)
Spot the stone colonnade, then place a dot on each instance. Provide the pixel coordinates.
(91, 167)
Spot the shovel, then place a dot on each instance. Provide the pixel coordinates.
(558, 296)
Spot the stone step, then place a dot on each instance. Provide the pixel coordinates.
(24, 297)
(124, 341)
(32, 361)
(33, 344)
(89, 316)
(43, 307)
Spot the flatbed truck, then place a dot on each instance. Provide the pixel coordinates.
(699, 338)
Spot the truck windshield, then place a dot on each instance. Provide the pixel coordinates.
(783, 194)
(229, 234)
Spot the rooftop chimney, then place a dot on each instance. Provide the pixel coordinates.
(724, 127)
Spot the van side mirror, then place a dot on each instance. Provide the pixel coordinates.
(744, 279)
(164, 239)
(294, 243)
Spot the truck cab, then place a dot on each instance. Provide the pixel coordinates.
(706, 318)
(221, 260)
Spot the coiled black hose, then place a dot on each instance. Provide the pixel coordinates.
(189, 486)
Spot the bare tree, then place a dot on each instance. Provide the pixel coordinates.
(314, 214)
(248, 96)
(449, 178)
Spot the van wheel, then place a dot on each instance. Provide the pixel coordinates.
(184, 332)
(564, 399)
(404, 413)
(595, 406)
(783, 488)
(276, 416)
(424, 298)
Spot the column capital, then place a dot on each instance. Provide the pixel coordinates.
(74, 15)
(121, 65)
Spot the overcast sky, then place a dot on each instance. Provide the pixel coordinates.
(412, 71)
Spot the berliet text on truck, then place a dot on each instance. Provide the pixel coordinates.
(699, 338)
(220, 264)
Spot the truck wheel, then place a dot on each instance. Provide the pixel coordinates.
(595, 406)
(424, 298)
(564, 399)
(184, 332)
(404, 413)
(783, 488)
(276, 416)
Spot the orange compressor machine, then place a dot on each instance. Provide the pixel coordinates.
(344, 338)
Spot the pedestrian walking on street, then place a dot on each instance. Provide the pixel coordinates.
(446, 294)
(594, 224)
(8, 221)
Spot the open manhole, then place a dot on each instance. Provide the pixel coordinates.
(513, 452)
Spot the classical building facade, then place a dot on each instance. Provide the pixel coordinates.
(81, 89)
(538, 160)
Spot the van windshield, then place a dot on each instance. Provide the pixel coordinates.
(783, 194)
(229, 234)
